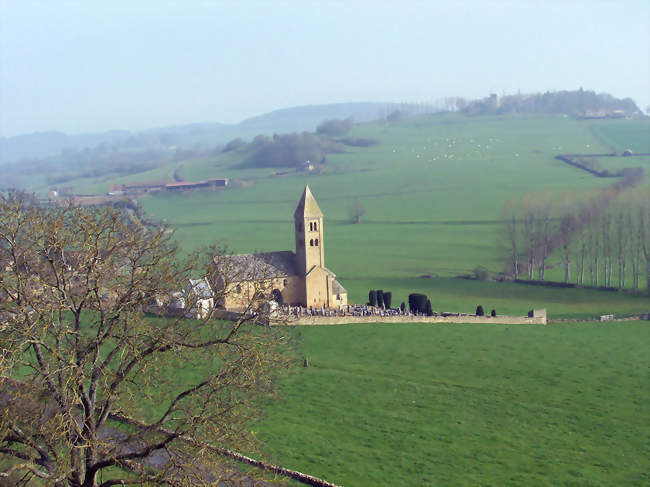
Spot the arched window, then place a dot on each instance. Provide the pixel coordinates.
(316, 243)
(311, 242)
(311, 227)
(284, 283)
(238, 290)
(315, 226)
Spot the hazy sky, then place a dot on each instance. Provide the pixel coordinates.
(82, 66)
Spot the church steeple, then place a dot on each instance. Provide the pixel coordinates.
(308, 219)
(307, 206)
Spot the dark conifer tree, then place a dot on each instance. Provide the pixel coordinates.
(380, 298)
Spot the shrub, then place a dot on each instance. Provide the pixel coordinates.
(289, 150)
(380, 298)
(403, 307)
(335, 127)
(234, 144)
(372, 298)
(493, 313)
(427, 308)
(479, 311)
(387, 299)
(417, 302)
(359, 142)
(277, 296)
(480, 273)
(395, 116)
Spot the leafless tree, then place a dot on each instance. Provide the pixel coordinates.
(357, 211)
(567, 225)
(93, 390)
(644, 240)
(511, 233)
(606, 228)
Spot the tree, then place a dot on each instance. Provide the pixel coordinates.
(395, 116)
(388, 297)
(380, 298)
(335, 127)
(402, 307)
(277, 296)
(357, 210)
(479, 310)
(427, 309)
(511, 235)
(417, 302)
(493, 313)
(92, 388)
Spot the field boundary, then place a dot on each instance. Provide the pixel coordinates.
(348, 320)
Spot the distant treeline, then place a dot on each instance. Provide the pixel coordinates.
(575, 103)
(130, 155)
(295, 149)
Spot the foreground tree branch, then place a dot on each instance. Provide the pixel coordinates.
(78, 350)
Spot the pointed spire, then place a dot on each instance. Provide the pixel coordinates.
(307, 206)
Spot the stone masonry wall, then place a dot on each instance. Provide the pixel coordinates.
(344, 320)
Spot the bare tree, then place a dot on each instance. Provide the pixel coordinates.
(544, 239)
(530, 238)
(621, 246)
(93, 390)
(594, 254)
(567, 226)
(511, 235)
(606, 228)
(357, 211)
(644, 234)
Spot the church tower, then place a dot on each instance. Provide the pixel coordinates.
(308, 221)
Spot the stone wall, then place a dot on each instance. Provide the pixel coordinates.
(540, 319)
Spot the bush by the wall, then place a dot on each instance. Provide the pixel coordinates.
(403, 307)
(493, 313)
(479, 311)
(372, 298)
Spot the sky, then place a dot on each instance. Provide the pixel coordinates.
(89, 66)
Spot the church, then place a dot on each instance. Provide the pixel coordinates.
(298, 279)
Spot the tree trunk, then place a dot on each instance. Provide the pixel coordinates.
(566, 264)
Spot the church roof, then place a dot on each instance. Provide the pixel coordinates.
(307, 206)
(337, 288)
(253, 267)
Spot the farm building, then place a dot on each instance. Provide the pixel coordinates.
(300, 278)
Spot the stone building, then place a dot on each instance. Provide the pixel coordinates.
(301, 278)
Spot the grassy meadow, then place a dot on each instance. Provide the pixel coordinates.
(432, 191)
(406, 405)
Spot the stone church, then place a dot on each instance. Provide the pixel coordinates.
(301, 277)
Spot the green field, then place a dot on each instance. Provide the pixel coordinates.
(564, 404)
(433, 190)
(386, 405)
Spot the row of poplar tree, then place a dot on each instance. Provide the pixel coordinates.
(599, 239)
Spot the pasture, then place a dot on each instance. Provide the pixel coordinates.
(564, 404)
(432, 191)
(388, 405)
